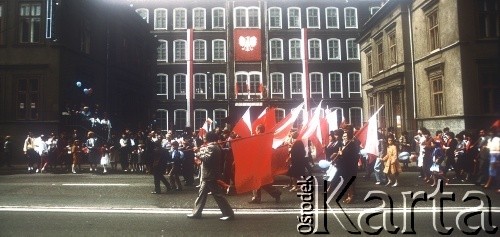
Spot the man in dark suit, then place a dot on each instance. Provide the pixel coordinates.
(160, 160)
(210, 158)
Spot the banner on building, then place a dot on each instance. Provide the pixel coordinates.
(247, 45)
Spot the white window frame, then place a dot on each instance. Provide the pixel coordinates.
(279, 110)
(290, 51)
(156, 27)
(179, 94)
(299, 18)
(310, 51)
(223, 18)
(202, 119)
(163, 117)
(311, 83)
(214, 87)
(176, 59)
(356, 46)
(205, 82)
(163, 84)
(213, 50)
(248, 75)
(349, 78)
(140, 10)
(318, 20)
(327, 17)
(280, 49)
(360, 114)
(280, 20)
(299, 92)
(204, 56)
(215, 117)
(346, 19)
(176, 120)
(183, 26)
(281, 90)
(203, 26)
(330, 45)
(374, 10)
(163, 42)
(247, 17)
(330, 78)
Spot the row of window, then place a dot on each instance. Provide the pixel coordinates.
(30, 23)
(276, 50)
(249, 17)
(201, 115)
(250, 85)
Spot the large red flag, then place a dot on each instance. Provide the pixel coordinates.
(247, 45)
(244, 127)
(252, 161)
(279, 164)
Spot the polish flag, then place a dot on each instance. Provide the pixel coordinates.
(312, 131)
(205, 128)
(331, 118)
(368, 135)
(266, 118)
(282, 128)
(243, 127)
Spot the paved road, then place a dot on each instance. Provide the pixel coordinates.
(121, 205)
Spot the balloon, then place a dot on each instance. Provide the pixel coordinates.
(79, 84)
(90, 90)
(86, 91)
(324, 164)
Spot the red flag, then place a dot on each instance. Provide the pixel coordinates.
(243, 127)
(368, 135)
(279, 165)
(247, 45)
(252, 161)
(282, 128)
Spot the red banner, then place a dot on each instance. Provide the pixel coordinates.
(247, 45)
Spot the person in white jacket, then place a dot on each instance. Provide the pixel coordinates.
(43, 151)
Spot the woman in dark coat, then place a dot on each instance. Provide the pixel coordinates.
(298, 161)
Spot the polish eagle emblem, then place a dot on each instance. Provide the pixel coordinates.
(247, 43)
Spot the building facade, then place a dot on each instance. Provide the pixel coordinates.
(437, 60)
(57, 57)
(216, 58)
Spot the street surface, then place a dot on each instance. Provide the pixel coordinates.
(121, 205)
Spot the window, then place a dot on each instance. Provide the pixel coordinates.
(313, 17)
(162, 51)
(219, 84)
(280, 114)
(160, 19)
(200, 50)
(179, 86)
(295, 49)
(351, 17)
(489, 88)
(219, 116)
(200, 116)
(180, 50)
(437, 93)
(316, 83)
(372, 100)
(180, 116)
(200, 85)
(333, 49)
(218, 18)
(374, 10)
(356, 117)
(241, 86)
(489, 18)
(144, 13)
(180, 16)
(335, 84)
(30, 22)
(380, 54)
(219, 50)
(276, 49)
(340, 114)
(369, 64)
(433, 25)
(28, 98)
(249, 84)
(293, 17)
(332, 17)
(391, 38)
(247, 17)
(199, 16)
(277, 85)
(162, 85)
(315, 49)
(162, 119)
(2, 24)
(85, 36)
(352, 49)
(354, 84)
(275, 17)
(296, 83)
(255, 84)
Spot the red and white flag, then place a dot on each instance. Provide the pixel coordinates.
(282, 128)
(312, 131)
(266, 118)
(368, 135)
(243, 127)
(247, 45)
(207, 127)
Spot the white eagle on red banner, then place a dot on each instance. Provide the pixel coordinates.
(247, 43)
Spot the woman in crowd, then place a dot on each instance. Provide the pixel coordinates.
(297, 160)
(392, 168)
(76, 153)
